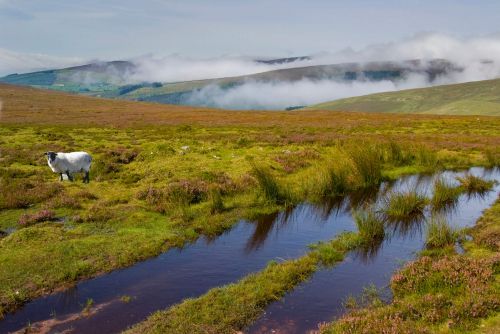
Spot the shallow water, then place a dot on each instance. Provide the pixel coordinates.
(181, 273)
(321, 298)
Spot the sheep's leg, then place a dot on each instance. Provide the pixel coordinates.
(60, 174)
(69, 176)
(86, 179)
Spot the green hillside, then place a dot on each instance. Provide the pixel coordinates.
(471, 98)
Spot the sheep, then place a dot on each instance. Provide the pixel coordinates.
(67, 163)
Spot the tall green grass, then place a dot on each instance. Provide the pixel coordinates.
(332, 181)
(426, 158)
(440, 234)
(397, 155)
(368, 162)
(444, 194)
(404, 205)
(216, 202)
(272, 190)
(371, 227)
(492, 158)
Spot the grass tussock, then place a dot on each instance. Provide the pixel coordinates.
(371, 226)
(440, 234)
(332, 181)
(474, 184)
(426, 157)
(368, 162)
(216, 202)
(492, 158)
(445, 194)
(398, 155)
(270, 187)
(175, 194)
(405, 205)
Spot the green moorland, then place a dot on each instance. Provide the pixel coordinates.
(471, 98)
(164, 175)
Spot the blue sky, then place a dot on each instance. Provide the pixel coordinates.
(115, 29)
(93, 29)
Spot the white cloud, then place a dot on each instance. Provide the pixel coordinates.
(280, 95)
(179, 68)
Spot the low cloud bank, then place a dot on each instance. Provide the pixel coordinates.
(468, 53)
(178, 68)
(477, 59)
(281, 95)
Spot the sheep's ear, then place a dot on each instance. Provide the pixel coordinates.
(46, 153)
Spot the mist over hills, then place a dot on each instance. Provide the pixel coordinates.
(274, 89)
(245, 82)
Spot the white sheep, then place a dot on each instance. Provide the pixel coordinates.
(67, 163)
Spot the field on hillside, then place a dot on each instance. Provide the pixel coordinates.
(165, 175)
(472, 98)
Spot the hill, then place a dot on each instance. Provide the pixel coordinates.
(471, 98)
(26, 105)
(112, 79)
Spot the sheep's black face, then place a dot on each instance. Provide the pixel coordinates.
(51, 156)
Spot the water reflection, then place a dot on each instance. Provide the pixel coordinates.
(321, 298)
(367, 252)
(264, 225)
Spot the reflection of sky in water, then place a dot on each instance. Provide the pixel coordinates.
(167, 279)
(321, 298)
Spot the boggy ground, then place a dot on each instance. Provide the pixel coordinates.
(162, 175)
(440, 292)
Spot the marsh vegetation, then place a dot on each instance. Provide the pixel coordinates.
(150, 194)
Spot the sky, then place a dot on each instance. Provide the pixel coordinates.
(37, 34)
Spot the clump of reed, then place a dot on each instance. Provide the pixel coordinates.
(332, 181)
(397, 156)
(474, 184)
(368, 162)
(445, 194)
(440, 234)
(371, 227)
(216, 202)
(405, 205)
(272, 190)
(426, 157)
(492, 158)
